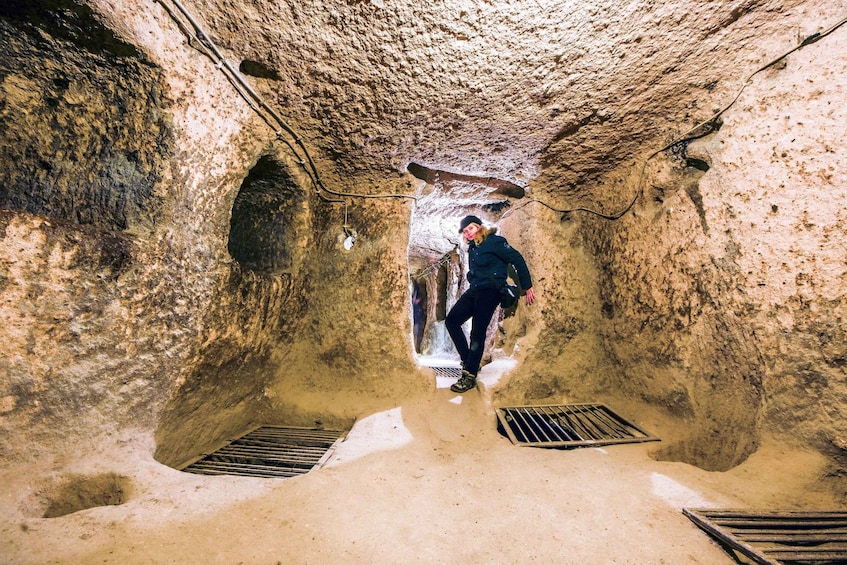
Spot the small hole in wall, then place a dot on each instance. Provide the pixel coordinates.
(258, 70)
(698, 164)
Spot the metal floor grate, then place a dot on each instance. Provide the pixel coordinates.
(270, 451)
(447, 372)
(778, 537)
(568, 425)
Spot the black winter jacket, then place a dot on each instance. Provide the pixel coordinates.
(488, 263)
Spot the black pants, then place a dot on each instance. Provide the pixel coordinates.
(477, 304)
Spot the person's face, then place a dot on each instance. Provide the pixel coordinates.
(470, 231)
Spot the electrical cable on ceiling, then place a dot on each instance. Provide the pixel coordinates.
(700, 130)
(275, 121)
(268, 114)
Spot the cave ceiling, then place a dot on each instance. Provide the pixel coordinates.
(550, 92)
(483, 102)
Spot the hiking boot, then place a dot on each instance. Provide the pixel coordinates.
(466, 382)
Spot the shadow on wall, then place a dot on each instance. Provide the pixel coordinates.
(85, 130)
(219, 401)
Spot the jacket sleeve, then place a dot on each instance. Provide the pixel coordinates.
(511, 256)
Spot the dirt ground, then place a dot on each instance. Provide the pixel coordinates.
(430, 481)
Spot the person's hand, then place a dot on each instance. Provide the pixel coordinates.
(530, 296)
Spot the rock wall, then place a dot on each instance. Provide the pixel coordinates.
(353, 354)
(719, 297)
(169, 265)
(563, 355)
(769, 279)
(86, 132)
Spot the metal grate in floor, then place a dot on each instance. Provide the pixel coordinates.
(778, 537)
(568, 425)
(270, 451)
(447, 372)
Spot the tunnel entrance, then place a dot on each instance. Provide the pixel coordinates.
(436, 254)
(434, 289)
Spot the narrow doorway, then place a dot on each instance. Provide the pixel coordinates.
(436, 253)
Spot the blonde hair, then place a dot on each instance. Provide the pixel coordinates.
(483, 233)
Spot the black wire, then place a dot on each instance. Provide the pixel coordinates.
(275, 121)
(708, 126)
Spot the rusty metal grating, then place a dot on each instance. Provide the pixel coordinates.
(270, 451)
(568, 425)
(778, 537)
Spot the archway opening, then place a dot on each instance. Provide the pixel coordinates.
(268, 219)
(436, 253)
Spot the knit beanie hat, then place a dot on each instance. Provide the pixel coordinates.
(468, 220)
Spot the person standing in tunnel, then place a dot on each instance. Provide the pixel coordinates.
(489, 257)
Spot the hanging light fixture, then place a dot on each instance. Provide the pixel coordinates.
(350, 234)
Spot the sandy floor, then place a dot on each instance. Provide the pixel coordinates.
(428, 482)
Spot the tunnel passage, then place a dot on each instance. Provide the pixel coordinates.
(86, 134)
(432, 291)
(269, 219)
(420, 301)
(436, 255)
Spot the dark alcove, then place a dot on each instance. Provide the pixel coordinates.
(267, 217)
